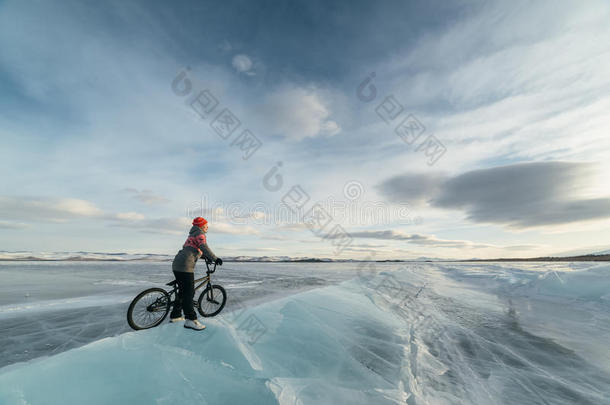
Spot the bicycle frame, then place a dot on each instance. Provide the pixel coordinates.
(202, 281)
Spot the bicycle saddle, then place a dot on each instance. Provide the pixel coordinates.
(171, 283)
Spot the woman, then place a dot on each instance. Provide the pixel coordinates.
(183, 267)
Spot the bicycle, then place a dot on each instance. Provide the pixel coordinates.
(149, 308)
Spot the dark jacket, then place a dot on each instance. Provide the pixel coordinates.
(195, 246)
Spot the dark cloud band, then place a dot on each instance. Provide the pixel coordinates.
(520, 196)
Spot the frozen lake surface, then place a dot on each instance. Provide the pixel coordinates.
(50, 307)
(312, 333)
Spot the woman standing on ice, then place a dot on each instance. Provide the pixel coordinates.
(183, 267)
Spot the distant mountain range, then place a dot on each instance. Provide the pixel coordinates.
(124, 257)
(580, 258)
(80, 256)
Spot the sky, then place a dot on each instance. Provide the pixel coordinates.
(365, 130)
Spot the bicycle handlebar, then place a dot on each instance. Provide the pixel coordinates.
(207, 264)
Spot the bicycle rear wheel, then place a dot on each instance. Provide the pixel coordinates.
(211, 301)
(148, 309)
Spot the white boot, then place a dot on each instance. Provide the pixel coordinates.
(194, 324)
(172, 320)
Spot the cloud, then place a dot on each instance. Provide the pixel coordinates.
(225, 46)
(525, 195)
(515, 83)
(146, 196)
(230, 229)
(522, 195)
(12, 225)
(275, 237)
(243, 64)
(428, 240)
(417, 239)
(59, 210)
(128, 216)
(171, 226)
(294, 227)
(368, 245)
(46, 209)
(524, 247)
(411, 187)
(179, 226)
(297, 113)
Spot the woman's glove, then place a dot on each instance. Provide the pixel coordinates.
(219, 261)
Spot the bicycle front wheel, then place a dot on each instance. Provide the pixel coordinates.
(212, 300)
(148, 309)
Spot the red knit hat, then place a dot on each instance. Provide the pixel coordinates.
(199, 221)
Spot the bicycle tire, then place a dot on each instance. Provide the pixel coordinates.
(215, 290)
(163, 306)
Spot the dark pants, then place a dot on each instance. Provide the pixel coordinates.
(184, 298)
